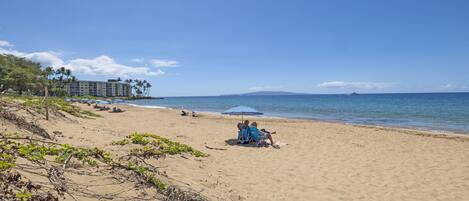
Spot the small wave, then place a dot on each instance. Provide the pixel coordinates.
(147, 106)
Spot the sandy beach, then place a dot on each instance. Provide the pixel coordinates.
(321, 161)
(367, 100)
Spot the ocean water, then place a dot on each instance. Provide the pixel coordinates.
(430, 111)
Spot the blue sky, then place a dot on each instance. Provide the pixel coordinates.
(221, 47)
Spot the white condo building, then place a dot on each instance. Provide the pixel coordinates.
(111, 88)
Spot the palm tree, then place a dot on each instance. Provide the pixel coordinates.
(139, 85)
(59, 78)
(148, 86)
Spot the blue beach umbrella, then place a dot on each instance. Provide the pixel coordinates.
(242, 110)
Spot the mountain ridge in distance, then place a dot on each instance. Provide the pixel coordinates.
(267, 93)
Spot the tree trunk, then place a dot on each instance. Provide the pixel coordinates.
(46, 102)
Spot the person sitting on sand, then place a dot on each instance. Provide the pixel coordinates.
(266, 131)
(184, 113)
(116, 110)
(243, 125)
(240, 126)
(194, 114)
(243, 132)
(258, 135)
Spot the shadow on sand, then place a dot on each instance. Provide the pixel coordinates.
(234, 142)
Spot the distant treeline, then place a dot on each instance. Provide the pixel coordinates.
(139, 87)
(24, 77)
(21, 76)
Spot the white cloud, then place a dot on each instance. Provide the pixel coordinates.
(452, 87)
(101, 65)
(160, 63)
(137, 60)
(4, 43)
(355, 85)
(105, 65)
(447, 86)
(10, 51)
(45, 58)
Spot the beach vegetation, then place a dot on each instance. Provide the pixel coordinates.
(61, 104)
(102, 155)
(57, 79)
(7, 161)
(32, 152)
(24, 195)
(36, 153)
(44, 154)
(139, 87)
(89, 113)
(120, 142)
(63, 153)
(19, 75)
(148, 175)
(155, 145)
(139, 139)
(37, 104)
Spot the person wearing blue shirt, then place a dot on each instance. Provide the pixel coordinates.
(259, 135)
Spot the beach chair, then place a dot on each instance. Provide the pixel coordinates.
(256, 135)
(243, 136)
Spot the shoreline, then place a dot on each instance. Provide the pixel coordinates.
(317, 160)
(389, 127)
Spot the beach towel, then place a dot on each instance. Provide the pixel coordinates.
(280, 144)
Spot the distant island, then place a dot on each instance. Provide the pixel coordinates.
(267, 93)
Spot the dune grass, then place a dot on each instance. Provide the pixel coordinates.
(37, 104)
(147, 174)
(155, 145)
(62, 154)
(37, 153)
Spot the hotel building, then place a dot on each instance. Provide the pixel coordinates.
(111, 88)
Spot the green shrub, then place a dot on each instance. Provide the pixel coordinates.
(24, 195)
(55, 103)
(120, 142)
(37, 153)
(139, 139)
(147, 174)
(4, 165)
(89, 113)
(155, 145)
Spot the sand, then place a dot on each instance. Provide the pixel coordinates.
(322, 161)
